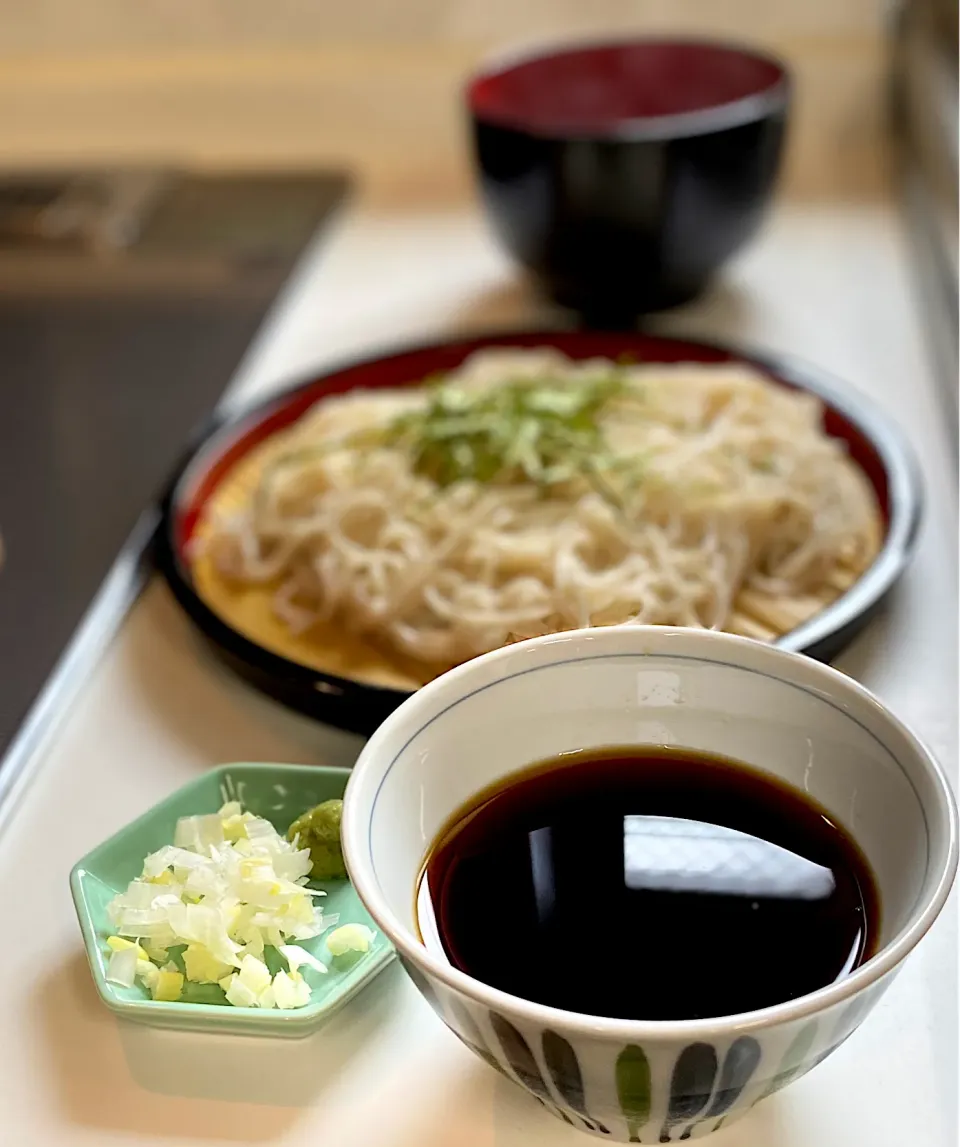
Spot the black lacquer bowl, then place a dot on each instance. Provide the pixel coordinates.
(623, 175)
(874, 443)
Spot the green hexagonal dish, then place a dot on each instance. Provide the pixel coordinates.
(280, 793)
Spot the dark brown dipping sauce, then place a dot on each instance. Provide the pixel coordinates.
(649, 885)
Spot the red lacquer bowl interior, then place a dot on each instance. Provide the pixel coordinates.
(227, 446)
(600, 86)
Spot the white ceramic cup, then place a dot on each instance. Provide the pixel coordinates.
(636, 1081)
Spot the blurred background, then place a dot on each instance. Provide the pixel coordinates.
(373, 87)
(373, 84)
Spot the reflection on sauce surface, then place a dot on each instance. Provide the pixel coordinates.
(649, 884)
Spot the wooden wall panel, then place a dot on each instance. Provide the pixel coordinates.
(375, 84)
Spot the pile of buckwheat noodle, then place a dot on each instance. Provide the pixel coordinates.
(682, 485)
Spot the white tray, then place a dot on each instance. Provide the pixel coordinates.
(829, 285)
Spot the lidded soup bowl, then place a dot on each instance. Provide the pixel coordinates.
(649, 1081)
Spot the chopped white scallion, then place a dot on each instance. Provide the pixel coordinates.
(197, 833)
(122, 968)
(350, 938)
(240, 995)
(290, 990)
(254, 974)
(296, 956)
(119, 944)
(166, 985)
(227, 888)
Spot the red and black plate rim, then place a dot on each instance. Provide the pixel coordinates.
(874, 442)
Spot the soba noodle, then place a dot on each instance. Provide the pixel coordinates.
(712, 480)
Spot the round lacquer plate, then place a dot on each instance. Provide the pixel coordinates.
(354, 683)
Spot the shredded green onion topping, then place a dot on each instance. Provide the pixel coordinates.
(544, 431)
